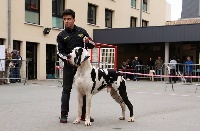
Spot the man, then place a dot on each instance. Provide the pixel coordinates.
(69, 38)
(7, 68)
(136, 68)
(158, 65)
(189, 68)
(172, 66)
(15, 69)
(19, 65)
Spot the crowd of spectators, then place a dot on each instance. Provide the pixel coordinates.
(13, 63)
(176, 65)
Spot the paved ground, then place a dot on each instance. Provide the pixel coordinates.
(36, 107)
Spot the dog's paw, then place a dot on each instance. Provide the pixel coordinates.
(77, 121)
(88, 123)
(131, 119)
(122, 118)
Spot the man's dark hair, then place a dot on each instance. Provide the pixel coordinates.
(68, 12)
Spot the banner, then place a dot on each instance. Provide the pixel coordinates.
(2, 57)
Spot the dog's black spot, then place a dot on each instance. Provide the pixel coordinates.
(103, 85)
(100, 74)
(78, 53)
(112, 76)
(122, 86)
(93, 76)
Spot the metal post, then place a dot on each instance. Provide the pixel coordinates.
(141, 8)
(9, 25)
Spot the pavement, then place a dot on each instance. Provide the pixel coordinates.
(36, 107)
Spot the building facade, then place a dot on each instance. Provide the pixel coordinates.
(190, 9)
(31, 26)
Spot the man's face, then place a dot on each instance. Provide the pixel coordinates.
(68, 21)
(188, 58)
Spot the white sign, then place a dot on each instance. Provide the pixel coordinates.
(2, 57)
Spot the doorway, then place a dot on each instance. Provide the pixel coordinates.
(51, 58)
(31, 57)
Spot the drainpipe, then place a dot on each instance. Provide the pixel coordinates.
(141, 8)
(9, 25)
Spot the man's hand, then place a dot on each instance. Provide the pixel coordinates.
(69, 60)
(86, 40)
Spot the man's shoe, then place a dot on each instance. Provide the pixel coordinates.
(63, 118)
(83, 119)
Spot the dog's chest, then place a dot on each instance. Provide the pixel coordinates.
(83, 82)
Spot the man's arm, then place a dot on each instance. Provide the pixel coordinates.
(61, 50)
(88, 40)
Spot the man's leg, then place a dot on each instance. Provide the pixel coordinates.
(68, 75)
(18, 74)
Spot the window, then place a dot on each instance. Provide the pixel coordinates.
(16, 45)
(133, 22)
(92, 14)
(144, 5)
(108, 18)
(1, 41)
(144, 23)
(32, 11)
(108, 55)
(57, 8)
(133, 3)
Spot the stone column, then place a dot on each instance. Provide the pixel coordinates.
(166, 52)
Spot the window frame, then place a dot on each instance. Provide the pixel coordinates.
(108, 55)
(131, 21)
(108, 11)
(89, 15)
(56, 15)
(146, 23)
(132, 3)
(33, 10)
(1, 41)
(145, 8)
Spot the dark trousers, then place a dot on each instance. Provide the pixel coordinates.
(188, 73)
(13, 74)
(172, 73)
(18, 74)
(68, 76)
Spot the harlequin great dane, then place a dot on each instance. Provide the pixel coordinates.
(89, 80)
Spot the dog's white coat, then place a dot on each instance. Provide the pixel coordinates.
(83, 82)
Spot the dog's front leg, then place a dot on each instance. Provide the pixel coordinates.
(80, 104)
(88, 105)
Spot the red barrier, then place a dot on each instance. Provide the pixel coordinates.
(159, 75)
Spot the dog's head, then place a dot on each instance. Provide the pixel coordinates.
(79, 55)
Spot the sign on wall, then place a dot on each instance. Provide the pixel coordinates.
(2, 58)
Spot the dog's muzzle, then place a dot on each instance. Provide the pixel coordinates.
(78, 64)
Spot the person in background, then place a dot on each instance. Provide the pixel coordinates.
(129, 69)
(188, 68)
(158, 65)
(124, 67)
(136, 69)
(150, 64)
(18, 66)
(7, 66)
(172, 65)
